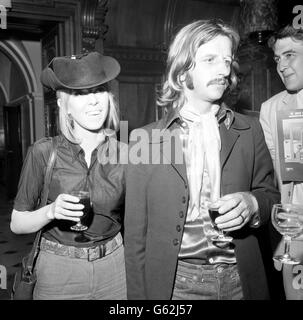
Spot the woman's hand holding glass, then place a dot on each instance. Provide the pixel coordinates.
(66, 207)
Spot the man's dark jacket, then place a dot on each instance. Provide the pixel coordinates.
(157, 198)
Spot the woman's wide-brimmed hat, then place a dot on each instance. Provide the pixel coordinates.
(80, 71)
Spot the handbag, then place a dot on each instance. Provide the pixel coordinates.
(25, 278)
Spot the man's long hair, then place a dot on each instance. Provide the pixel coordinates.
(181, 58)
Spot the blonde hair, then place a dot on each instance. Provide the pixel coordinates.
(66, 123)
(181, 58)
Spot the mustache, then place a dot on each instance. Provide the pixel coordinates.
(221, 81)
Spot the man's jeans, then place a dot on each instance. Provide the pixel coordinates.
(207, 282)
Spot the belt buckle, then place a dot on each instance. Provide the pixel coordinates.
(220, 269)
(95, 253)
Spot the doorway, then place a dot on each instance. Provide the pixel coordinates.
(29, 114)
(13, 148)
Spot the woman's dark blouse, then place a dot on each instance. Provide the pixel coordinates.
(104, 181)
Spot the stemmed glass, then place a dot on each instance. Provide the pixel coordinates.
(288, 221)
(213, 214)
(84, 198)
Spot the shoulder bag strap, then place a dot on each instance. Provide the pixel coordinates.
(47, 180)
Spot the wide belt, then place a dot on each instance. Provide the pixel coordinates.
(90, 253)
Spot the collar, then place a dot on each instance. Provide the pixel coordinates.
(76, 150)
(224, 115)
(290, 98)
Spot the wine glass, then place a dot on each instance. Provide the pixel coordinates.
(80, 226)
(287, 220)
(213, 214)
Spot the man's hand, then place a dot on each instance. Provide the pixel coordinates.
(235, 210)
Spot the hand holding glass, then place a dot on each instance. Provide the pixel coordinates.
(85, 200)
(287, 220)
(213, 214)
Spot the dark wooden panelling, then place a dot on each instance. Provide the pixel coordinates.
(138, 37)
(137, 100)
(135, 23)
(258, 77)
(137, 33)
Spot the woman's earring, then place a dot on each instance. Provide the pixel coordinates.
(71, 120)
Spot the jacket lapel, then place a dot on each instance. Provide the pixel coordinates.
(177, 157)
(170, 148)
(172, 153)
(229, 138)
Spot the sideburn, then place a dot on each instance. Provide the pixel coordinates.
(189, 82)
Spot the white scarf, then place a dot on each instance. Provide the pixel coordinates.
(204, 145)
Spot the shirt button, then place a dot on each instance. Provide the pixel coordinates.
(176, 242)
(178, 228)
(185, 186)
(181, 214)
(183, 199)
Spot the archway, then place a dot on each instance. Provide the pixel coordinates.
(19, 87)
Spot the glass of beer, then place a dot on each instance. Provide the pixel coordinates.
(213, 214)
(85, 200)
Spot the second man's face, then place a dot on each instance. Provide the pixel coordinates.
(289, 58)
(211, 71)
